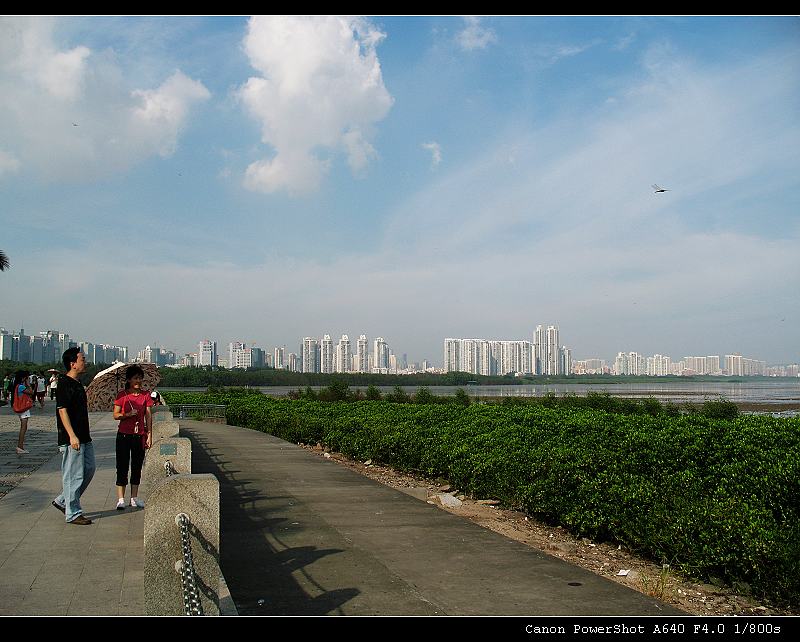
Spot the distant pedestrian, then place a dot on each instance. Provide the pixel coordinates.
(8, 382)
(74, 441)
(22, 403)
(132, 410)
(158, 400)
(53, 385)
(41, 389)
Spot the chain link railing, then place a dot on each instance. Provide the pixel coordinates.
(191, 595)
(198, 411)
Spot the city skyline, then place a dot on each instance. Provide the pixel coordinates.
(467, 176)
(489, 356)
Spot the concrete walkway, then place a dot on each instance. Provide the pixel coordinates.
(49, 567)
(305, 536)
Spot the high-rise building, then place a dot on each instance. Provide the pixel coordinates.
(498, 357)
(37, 349)
(554, 360)
(207, 353)
(311, 356)
(239, 355)
(23, 347)
(381, 352)
(540, 350)
(452, 355)
(256, 357)
(326, 355)
(362, 354)
(344, 355)
(280, 358)
(629, 363)
(88, 351)
(293, 362)
(733, 365)
(470, 351)
(6, 343)
(659, 365)
(565, 360)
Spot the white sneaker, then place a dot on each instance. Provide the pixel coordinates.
(136, 502)
(121, 504)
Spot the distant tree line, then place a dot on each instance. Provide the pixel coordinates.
(205, 376)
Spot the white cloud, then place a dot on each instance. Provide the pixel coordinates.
(68, 113)
(320, 90)
(161, 113)
(436, 153)
(553, 53)
(475, 36)
(8, 163)
(625, 42)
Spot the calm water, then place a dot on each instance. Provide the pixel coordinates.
(778, 392)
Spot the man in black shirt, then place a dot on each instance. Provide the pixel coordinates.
(74, 441)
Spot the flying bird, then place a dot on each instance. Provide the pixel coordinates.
(659, 189)
(74, 124)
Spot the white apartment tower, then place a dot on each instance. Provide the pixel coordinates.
(498, 357)
(470, 350)
(362, 354)
(452, 360)
(553, 358)
(539, 350)
(326, 355)
(207, 353)
(344, 355)
(239, 355)
(279, 360)
(311, 355)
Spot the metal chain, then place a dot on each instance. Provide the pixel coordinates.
(168, 467)
(191, 596)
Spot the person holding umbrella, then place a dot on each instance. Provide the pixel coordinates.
(132, 410)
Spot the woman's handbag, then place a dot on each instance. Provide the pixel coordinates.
(22, 402)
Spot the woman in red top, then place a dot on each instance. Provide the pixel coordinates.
(132, 410)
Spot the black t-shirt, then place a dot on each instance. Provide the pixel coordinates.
(71, 395)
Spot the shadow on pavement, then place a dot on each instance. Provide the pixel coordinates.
(258, 573)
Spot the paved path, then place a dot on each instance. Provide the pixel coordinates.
(49, 567)
(304, 536)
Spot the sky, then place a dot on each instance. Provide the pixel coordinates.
(165, 180)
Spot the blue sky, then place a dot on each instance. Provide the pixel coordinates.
(170, 179)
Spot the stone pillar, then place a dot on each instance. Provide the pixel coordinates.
(198, 497)
(176, 450)
(165, 429)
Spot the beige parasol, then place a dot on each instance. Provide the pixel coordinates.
(106, 384)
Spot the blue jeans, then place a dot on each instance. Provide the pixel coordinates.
(77, 470)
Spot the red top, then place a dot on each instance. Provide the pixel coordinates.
(129, 401)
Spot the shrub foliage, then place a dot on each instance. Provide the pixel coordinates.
(714, 497)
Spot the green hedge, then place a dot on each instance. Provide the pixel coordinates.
(713, 497)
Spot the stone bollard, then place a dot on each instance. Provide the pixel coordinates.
(164, 415)
(176, 450)
(197, 496)
(165, 430)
